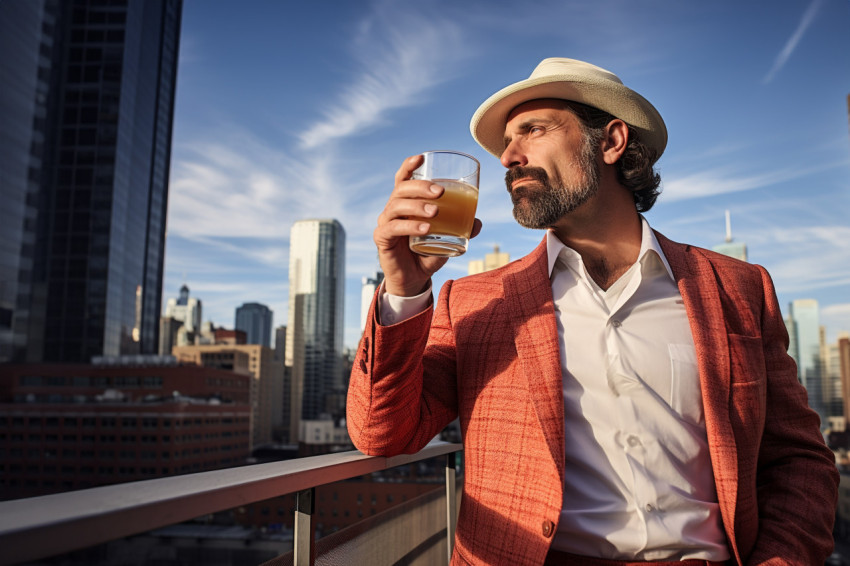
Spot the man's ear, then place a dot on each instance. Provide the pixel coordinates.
(614, 143)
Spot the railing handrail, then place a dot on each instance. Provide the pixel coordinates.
(49, 525)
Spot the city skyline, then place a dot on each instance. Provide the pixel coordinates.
(272, 127)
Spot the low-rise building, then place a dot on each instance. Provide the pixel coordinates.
(72, 426)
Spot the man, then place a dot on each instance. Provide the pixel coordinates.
(623, 398)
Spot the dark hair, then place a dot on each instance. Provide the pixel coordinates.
(635, 167)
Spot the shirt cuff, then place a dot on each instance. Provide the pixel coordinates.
(393, 309)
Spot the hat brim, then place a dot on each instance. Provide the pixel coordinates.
(488, 123)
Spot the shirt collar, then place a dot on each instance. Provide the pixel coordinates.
(650, 250)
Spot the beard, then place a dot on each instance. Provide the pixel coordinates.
(540, 205)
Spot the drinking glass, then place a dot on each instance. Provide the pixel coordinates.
(458, 174)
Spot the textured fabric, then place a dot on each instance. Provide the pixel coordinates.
(490, 356)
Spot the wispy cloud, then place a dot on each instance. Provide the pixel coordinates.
(712, 182)
(233, 183)
(806, 258)
(245, 188)
(783, 56)
(400, 56)
(836, 318)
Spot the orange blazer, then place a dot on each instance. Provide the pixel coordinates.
(490, 356)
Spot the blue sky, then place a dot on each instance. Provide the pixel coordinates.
(289, 110)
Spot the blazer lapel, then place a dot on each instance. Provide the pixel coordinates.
(529, 295)
(698, 286)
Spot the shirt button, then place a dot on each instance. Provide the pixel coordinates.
(616, 323)
(548, 528)
(648, 508)
(633, 441)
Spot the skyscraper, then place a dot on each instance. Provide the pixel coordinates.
(314, 340)
(807, 354)
(181, 324)
(833, 394)
(844, 365)
(186, 309)
(367, 293)
(255, 320)
(283, 431)
(86, 106)
(738, 250)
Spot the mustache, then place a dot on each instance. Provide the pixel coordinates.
(537, 173)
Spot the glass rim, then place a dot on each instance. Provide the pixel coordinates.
(452, 151)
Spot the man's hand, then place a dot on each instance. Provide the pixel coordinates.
(406, 214)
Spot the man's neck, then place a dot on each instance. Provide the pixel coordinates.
(608, 241)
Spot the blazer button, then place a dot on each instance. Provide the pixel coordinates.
(548, 528)
(363, 366)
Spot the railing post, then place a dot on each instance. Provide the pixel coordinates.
(451, 503)
(304, 543)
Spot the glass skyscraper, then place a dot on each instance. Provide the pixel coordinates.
(807, 350)
(255, 320)
(314, 341)
(87, 106)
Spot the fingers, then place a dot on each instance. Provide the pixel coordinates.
(398, 208)
(388, 234)
(408, 209)
(405, 187)
(407, 168)
(476, 228)
(417, 190)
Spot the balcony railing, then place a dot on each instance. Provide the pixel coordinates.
(51, 525)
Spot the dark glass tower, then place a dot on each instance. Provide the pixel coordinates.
(85, 166)
(255, 320)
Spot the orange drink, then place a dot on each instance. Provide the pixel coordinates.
(452, 226)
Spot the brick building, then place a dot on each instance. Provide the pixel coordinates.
(72, 426)
(266, 390)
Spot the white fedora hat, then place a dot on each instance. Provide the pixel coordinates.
(569, 79)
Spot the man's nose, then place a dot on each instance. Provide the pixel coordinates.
(512, 156)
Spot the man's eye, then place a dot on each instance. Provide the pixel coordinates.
(536, 130)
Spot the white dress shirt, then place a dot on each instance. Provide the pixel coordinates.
(639, 482)
(638, 477)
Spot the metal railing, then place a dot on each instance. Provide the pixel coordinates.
(41, 527)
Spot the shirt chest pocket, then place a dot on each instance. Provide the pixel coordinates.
(685, 396)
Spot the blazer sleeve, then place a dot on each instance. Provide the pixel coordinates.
(797, 479)
(403, 386)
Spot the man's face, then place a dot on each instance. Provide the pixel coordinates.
(551, 164)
